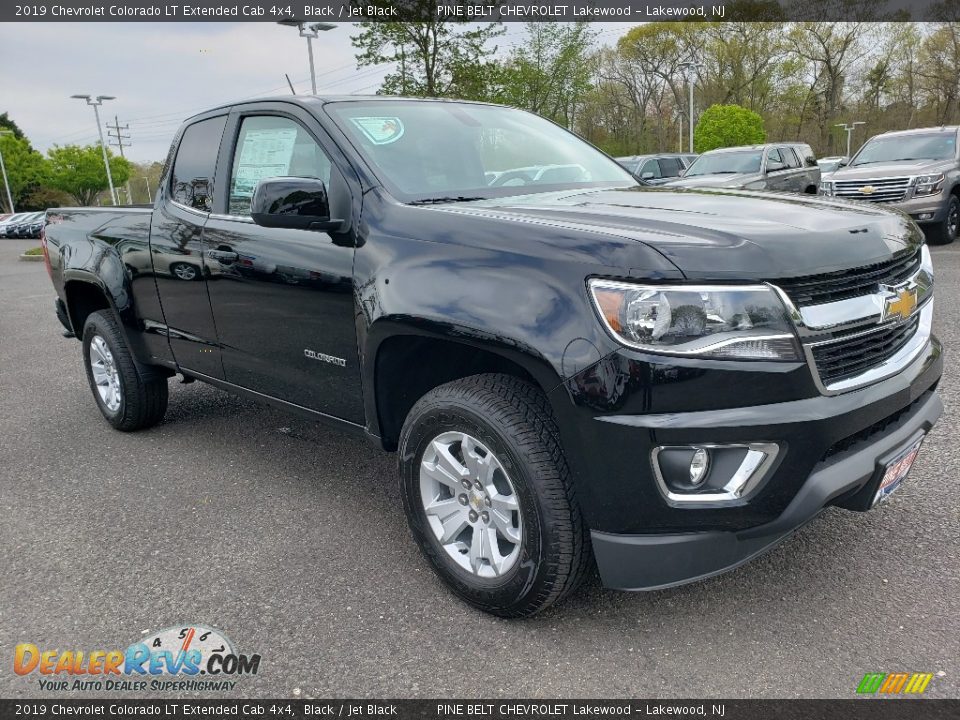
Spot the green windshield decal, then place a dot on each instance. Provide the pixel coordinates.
(380, 130)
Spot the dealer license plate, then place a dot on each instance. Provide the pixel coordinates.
(897, 469)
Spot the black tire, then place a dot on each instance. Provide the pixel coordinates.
(514, 420)
(945, 231)
(143, 394)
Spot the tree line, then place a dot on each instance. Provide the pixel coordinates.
(630, 96)
(67, 175)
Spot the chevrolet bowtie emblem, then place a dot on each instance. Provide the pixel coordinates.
(868, 189)
(900, 305)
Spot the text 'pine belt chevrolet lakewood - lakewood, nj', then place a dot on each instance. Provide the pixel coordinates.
(572, 369)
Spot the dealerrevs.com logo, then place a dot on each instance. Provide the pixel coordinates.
(189, 657)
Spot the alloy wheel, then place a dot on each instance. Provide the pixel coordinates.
(471, 504)
(105, 374)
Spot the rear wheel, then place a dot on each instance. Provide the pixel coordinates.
(129, 398)
(489, 497)
(945, 231)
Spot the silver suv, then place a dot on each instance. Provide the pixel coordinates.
(783, 167)
(917, 171)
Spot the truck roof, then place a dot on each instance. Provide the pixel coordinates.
(311, 100)
(919, 131)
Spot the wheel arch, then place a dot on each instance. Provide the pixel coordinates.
(403, 364)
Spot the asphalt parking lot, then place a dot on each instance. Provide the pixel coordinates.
(290, 538)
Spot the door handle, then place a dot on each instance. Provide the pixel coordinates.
(224, 256)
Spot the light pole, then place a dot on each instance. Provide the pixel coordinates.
(311, 32)
(95, 103)
(849, 128)
(6, 182)
(146, 181)
(690, 67)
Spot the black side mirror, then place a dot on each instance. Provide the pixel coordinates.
(292, 202)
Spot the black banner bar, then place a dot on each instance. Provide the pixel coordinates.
(476, 10)
(855, 709)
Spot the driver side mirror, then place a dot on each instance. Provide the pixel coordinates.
(292, 202)
(773, 166)
(647, 175)
(843, 163)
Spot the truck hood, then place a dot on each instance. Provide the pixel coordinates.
(720, 180)
(722, 234)
(891, 169)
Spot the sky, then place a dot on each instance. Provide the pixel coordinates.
(162, 73)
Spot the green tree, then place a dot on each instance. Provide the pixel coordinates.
(727, 126)
(25, 168)
(433, 58)
(550, 72)
(79, 171)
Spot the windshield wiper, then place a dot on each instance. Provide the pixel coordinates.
(438, 200)
(871, 162)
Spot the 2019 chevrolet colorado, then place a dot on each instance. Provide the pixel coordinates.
(572, 369)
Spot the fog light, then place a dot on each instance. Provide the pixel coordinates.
(699, 464)
(925, 216)
(711, 474)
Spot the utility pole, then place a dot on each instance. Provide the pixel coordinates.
(146, 181)
(6, 182)
(849, 128)
(114, 133)
(310, 32)
(690, 67)
(96, 103)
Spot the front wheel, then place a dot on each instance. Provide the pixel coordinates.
(489, 497)
(945, 231)
(130, 399)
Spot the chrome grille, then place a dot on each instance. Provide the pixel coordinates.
(830, 287)
(884, 189)
(847, 357)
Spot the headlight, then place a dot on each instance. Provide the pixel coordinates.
(719, 321)
(929, 184)
(924, 278)
(826, 188)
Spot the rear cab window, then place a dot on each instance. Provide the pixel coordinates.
(191, 180)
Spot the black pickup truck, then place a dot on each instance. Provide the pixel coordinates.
(575, 371)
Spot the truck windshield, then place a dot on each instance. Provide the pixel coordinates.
(445, 151)
(929, 146)
(727, 163)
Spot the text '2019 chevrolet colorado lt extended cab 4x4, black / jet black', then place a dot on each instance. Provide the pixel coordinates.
(572, 368)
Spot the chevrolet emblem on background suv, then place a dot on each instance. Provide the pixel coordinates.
(900, 304)
(868, 189)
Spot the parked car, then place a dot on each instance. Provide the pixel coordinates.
(28, 226)
(783, 167)
(7, 225)
(916, 171)
(572, 370)
(656, 169)
(831, 164)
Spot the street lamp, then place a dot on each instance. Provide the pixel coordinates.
(849, 129)
(95, 103)
(310, 32)
(3, 167)
(690, 67)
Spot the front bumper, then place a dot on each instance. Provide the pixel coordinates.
(932, 208)
(614, 414)
(651, 562)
